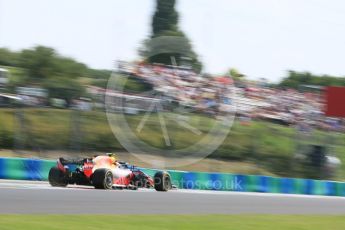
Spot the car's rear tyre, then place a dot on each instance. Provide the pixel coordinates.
(57, 178)
(162, 181)
(102, 179)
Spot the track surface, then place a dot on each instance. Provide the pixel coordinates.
(39, 197)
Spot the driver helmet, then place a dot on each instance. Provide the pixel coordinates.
(112, 156)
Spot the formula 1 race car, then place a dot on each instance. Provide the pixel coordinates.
(105, 172)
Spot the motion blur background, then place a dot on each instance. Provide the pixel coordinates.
(56, 59)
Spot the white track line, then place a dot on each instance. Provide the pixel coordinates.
(42, 185)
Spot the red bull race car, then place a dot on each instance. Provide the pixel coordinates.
(105, 172)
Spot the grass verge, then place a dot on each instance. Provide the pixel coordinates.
(161, 222)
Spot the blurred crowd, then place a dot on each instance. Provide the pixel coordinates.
(253, 100)
(212, 95)
(287, 106)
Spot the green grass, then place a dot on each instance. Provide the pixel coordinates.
(179, 136)
(165, 222)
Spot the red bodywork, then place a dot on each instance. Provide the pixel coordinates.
(87, 168)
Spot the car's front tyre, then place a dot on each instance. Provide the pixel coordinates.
(162, 181)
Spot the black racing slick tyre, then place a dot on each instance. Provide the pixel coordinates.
(162, 181)
(102, 179)
(57, 178)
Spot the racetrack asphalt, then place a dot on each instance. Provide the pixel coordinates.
(26, 197)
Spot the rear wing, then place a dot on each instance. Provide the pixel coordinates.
(72, 161)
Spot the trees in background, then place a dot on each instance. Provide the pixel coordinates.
(296, 79)
(165, 17)
(44, 67)
(8, 58)
(236, 75)
(167, 43)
